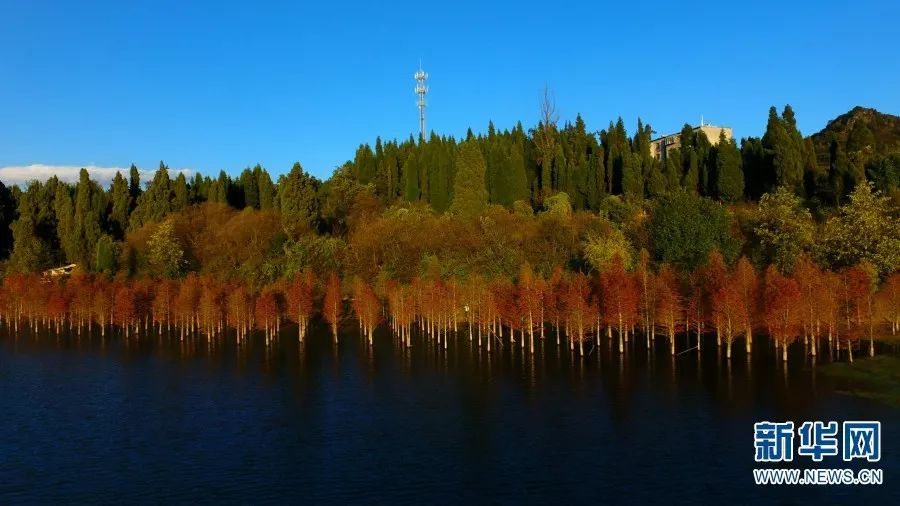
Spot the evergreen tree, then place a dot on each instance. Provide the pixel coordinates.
(783, 145)
(298, 201)
(759, 175)
(35, 239)
(364, 165)
(266, 189)
(156, 202)
(387, 179)
(729, 176)
(632, 182)
(7, 215)
(105, 256)
(841, 176)
(30, 253)
(64, 207)
(685, 228)
(411, 190)
(248, 185)
(469, 193)
(180, 194)
(691, 180)
(673, 169)
(224, 192)
(90, 210)
(511, 184)
(134, 183)
(438, 172)
(198, 189)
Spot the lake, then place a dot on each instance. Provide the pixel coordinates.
(157, 420)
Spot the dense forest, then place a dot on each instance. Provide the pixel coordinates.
(517, 229)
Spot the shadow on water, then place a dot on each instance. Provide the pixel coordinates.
(154, 418)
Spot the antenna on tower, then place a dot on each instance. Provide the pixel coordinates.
(421, 89)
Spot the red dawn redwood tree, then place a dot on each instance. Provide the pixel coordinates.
(782, 308)
(577, 306)
(746, 281)
(888, 301)
(300, 301)
(669, 303)
(332, 309)
(620, 298)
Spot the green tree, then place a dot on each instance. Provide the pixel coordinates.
(411, 189)
(267, 191)
(248, 184)
(691, 180)
(510, 180)
(632, 182)
(298, 200)
(884, 172)
(685, 228)
(469, 193)
(558, 205)
(120, 201)
(784, 146)
(7, 215)
(105, 256)
(30, 253)
(134, 183)
(35, 239)
(165, 255)
(65, 223)
(784, 229)
(156, 202)
(90, 211)
(180, 193)
(759, 177)
(867, 229)
(601, 248)
(729, 176)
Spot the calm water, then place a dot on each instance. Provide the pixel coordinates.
(93, 420)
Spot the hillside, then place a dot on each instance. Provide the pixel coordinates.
(859, 130)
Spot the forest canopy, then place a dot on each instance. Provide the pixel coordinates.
(553, 196)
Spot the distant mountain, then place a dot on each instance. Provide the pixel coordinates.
(862, 131)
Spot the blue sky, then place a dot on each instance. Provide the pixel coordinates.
(218, 85)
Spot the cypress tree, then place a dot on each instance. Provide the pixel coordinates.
(134, 183)
(7, 215)
(224, 192)
(265, 187)
(783, 144)
(469, 193)
(31, 252)
(65, 223)
(691, 179)
(672, 170)
(759, 175)
(156, 202)
(298, 201)
(632, 183)
(511, 182)
(180, 196)
(729, 176)
(411, 191)
(249, 189)
(90, 208)
(120, 209)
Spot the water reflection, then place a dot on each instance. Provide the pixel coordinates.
(334, 423)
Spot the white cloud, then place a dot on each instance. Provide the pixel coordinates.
(104, 175)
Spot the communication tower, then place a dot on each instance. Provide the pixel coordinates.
(421, 89)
